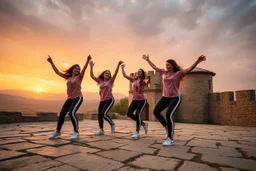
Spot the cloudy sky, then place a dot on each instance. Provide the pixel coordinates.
(113, 30)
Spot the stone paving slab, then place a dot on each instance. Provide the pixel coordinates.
(203, 143)
(156, 163)
(21, 162)
(238, 163)
(228, 169)
(180, 152)
(127, 168)
(250, 153)
(119, 155)
(64, 167)
(78, 148)
(192, 166)
(51, 151)
(106, 145)
(21, 146)
(25, 146)
(9, 141)
(10, 154)
(53, 142)
(221, 151)
(91, 162)
(42, 165)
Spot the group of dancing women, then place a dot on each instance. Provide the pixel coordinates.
(171, 96)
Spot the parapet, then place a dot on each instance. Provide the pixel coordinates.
(238, 96)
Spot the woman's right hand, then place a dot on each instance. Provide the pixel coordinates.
(145, 57)
(120, 63)
(91, 64)
(123, 65)
(49, 59)
(89, 57)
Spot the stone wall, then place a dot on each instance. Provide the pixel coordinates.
(229, 108)
(13, 117)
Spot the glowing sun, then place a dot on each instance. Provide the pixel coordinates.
(38, 90)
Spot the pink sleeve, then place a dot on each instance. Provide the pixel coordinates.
(132, 79)
(180, 73)
(162, 71)
(100, 81)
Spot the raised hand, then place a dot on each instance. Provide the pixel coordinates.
(145, 57)
(201, 58)
(91, 63)
(49, 59)
(123, 65)
(89, 57)
(120, 63)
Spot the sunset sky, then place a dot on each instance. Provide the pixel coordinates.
(113, 30)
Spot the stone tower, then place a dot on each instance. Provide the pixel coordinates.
(194, 89)
(194, 93)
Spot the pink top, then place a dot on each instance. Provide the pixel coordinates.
(137, 90)
(171, 83)
(74, 87)
(106, 89)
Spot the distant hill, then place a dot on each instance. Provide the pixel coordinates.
(31, 106)
(53, 96)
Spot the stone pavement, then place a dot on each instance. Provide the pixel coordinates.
(25, 146)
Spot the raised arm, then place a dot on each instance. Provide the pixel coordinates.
(49, 59)
(116, 71)
(91, 72)
(147, 81)
(146, 58)
(188, 70)
(124, 74)
(85, 66)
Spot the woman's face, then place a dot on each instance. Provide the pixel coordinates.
(106, 75)
(169, 66)
(139, 73)
(76, 70)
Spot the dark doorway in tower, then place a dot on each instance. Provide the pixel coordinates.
(145, 113)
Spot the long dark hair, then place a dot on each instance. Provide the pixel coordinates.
(143, 76)
(101, 75)
(68, 72)
(175, 66)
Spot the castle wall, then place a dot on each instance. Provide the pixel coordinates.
(14, 117)
(200, 105)
(229, 108)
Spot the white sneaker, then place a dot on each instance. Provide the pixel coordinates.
(146, 127)
(168, 142)
(100, 132)
(136, 135)
(113, 128)
(75, 136)
(55, 134)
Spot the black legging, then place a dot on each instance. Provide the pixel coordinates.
(137, 105)
(172, 104)
(103, 109)
(71, 106)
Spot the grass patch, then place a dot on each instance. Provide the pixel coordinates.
(197, 158)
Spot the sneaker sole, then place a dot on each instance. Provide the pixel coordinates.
(167, 145)
(135, 138)
(74, 138)
(53, 137)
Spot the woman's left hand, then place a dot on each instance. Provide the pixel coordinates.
(201, 58)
